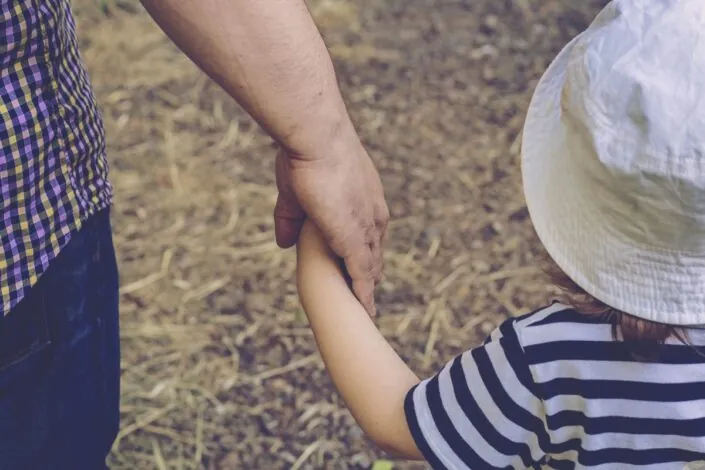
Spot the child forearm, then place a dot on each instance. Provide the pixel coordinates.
(370, 376)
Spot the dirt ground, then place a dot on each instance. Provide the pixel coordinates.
(219, 368)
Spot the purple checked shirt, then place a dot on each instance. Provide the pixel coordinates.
(53, 169)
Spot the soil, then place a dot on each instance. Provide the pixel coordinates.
(219, 368)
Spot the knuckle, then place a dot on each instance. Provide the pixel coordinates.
(368, 229)
(341, 243)
(382, 219)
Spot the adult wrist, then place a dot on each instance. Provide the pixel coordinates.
(323, 136)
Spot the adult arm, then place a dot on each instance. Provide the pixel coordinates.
(269, 56)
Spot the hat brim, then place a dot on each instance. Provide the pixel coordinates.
(663, 286)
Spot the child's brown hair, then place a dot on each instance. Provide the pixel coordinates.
(642, 337)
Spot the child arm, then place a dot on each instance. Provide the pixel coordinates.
(370, 376)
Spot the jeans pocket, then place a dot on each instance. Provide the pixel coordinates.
(24, 336)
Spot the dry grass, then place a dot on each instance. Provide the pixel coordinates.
(219, 368)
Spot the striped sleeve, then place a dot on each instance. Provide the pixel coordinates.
(482, 410)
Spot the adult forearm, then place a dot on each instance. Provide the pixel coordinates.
(270, 57)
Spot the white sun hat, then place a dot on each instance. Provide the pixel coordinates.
(613, 159)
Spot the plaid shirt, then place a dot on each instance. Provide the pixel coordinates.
(53, 170)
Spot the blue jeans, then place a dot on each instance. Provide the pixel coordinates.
(60, 361)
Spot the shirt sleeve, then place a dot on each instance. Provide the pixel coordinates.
(482, 411)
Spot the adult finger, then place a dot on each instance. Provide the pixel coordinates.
(378, 262)
(382, 221)
(364, 291)
(361, 268)
(379, 235)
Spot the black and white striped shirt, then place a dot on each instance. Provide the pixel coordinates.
(553, 390)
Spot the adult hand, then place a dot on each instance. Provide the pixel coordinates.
(342, 194)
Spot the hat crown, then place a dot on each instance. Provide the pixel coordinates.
(613, 160)
(635, 94)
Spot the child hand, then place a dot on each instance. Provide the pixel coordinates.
(311, 244)
(314, 254)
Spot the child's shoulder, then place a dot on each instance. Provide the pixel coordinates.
(554, 323)
(556, 313)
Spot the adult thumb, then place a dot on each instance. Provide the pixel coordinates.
(289, 217)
